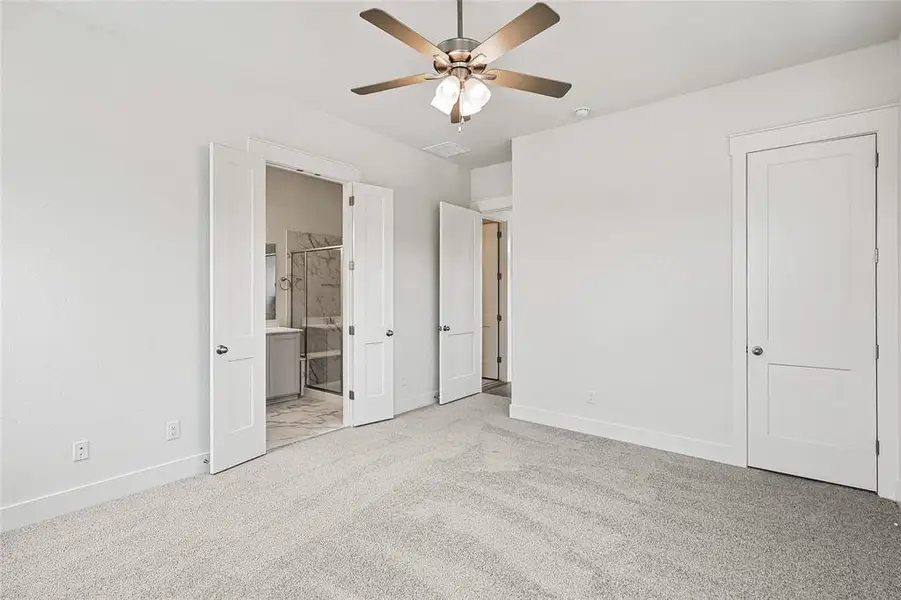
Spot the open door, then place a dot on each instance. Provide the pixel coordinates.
(371, 265)
(237, 311)
(459, 303)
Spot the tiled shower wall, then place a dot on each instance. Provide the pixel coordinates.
(316, 305)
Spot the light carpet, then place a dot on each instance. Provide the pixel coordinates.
(460, 501)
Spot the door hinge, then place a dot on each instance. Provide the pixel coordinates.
(352, 330)
(351, 265)
(498, 360)
(877, 160)
(498, 234)
(351, 394)
(498, 318)
(352, 200)
(499, 276)
(876, 255)
(877, 447)
(877, 351)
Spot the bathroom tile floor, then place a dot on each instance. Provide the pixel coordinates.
(294, 420)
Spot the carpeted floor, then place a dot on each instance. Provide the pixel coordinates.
(460, 501)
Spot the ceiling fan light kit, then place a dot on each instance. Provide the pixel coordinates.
(462, 64)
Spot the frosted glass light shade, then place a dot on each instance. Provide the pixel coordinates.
(475, 95)
(446, 94)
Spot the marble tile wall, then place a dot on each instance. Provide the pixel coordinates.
(318, 282)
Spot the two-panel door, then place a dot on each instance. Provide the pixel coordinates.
(812, 310)
(372, 285)
(237, 308)
(459, 303)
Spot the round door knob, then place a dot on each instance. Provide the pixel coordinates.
(446, 328)
(220, 349)
(389, 333)
(756, 350)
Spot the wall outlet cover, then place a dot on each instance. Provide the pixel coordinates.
(173, 430)
(80, 450)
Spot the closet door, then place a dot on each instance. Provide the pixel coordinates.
(812, 310)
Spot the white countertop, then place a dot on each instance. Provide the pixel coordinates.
(274, 330)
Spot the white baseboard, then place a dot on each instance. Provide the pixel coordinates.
(59, 503)
(624, 433)
(408, 403)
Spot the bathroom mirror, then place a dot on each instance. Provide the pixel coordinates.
(270, 284)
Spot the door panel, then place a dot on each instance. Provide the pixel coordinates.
(372, 282)
(460, 303)
(237, 307)
(490, 300)
(812, 311)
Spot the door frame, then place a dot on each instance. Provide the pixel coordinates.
(502, 292)
(292, 159)
(883, 122)
(501, 209)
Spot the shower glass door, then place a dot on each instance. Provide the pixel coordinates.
(316, 308)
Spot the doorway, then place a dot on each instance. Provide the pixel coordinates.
(494, 323)
(304, 341)
(814, 261)
(240, 299)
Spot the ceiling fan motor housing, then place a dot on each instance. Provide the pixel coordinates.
(459, 49)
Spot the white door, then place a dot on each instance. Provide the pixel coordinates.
(490, 300)
(459, 303)
(237, 307)
(372, 289)
(812, 311)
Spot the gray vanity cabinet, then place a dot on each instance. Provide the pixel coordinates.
(282, 364)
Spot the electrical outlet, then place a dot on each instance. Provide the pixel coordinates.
(591, 397)
(173, 430)
(80, 450)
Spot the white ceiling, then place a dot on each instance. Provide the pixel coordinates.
(616, 54)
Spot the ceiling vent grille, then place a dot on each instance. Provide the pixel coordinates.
(446, 149)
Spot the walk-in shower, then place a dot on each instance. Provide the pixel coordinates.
(316, 309)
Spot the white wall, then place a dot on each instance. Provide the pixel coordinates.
(105, 251)
(493, 181)
(296, 202)
(622, 277)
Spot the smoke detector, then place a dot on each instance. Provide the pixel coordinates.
(582, 112)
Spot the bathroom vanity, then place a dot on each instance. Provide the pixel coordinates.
(284, 371)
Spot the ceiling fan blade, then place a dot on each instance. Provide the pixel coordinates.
(524, 27)
(395, 28)
(394, 83)
(529, 83)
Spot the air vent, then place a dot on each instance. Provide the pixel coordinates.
(446, 149)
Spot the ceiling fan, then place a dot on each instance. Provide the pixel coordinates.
(461, 64)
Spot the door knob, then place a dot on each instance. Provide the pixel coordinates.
(389, 333)
(220, 349)
(756, 350)
(446, 328)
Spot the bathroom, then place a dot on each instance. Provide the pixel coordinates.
(304, 335)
